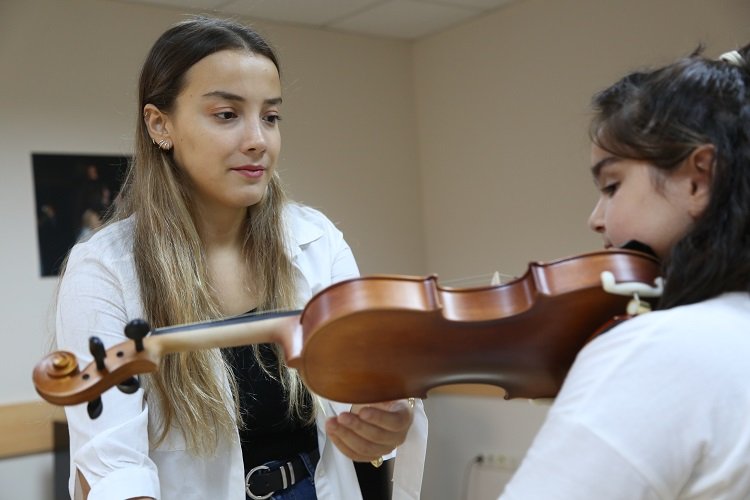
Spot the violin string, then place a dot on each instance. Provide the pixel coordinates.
(495, 278)
(238, 319)
(487, 279)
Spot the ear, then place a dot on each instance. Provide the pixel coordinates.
(156, 122)
(699, 170)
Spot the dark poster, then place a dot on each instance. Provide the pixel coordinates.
(73, 194)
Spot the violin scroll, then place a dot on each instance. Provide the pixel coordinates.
(59, 379)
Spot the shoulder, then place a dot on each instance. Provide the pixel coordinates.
(656, 388)
(99, 285)
(317, 249)
(306, 224)
(721, 320)
(112, 246)
(681, 348)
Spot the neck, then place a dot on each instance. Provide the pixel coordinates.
(221, 227)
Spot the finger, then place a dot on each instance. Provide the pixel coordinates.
(352, 445)
(369, 434)
(374, 432)
(384, 405)
(395, 417)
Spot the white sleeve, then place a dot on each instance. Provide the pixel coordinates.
(343, 266)
(410, 458)
(569, 462)
(632, 418)
(110, 451)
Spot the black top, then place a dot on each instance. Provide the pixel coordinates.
(269, 434)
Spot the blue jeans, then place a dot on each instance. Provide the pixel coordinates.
(301, 490)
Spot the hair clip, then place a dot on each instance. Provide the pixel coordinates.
(733, 57)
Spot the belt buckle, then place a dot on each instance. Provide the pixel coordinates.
(247, 483)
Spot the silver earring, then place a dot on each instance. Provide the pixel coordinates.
(165, 145)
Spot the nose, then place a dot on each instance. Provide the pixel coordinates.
(255, 137)
(596, 219)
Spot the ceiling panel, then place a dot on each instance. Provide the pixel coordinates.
(314, 12)
(481, 4)
(203, 5)
(405, 19)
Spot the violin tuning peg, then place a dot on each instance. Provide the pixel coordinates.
(135, 330)
(94, 408)
(129, 386)
(96, 347)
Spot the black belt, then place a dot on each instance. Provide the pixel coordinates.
(262, 482)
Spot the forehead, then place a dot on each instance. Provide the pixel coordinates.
(237, 71)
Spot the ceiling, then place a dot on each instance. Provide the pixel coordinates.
(403, 19)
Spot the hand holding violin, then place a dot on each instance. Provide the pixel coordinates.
(368, 432)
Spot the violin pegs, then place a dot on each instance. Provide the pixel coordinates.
(129, 386)
(96, 347)
(135, 331)
(94, 408)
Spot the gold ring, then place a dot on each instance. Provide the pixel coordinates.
(377, 462)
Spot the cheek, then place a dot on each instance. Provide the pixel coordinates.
(619, 223)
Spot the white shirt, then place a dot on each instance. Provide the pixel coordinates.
(99, 294)
(656, 408)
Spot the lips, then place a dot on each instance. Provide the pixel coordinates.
(251, 171)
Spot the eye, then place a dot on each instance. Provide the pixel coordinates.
(226, 115)
(272, 118)
(610, 189)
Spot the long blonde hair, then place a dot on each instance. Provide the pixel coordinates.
(169, 256)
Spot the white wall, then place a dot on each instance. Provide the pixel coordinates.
(502, 107)
(68, 71)
(502, 110)
(460, 154)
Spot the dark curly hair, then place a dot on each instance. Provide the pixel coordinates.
(661, 116)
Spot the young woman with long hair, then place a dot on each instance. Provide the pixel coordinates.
(203, 231)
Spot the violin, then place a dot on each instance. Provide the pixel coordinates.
(381, 338)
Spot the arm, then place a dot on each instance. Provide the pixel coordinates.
(85, 488)
(569, 462)
(110, 453)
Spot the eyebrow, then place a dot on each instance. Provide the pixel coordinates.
(598, 166)
(234, 97)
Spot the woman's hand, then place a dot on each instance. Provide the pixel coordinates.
(368, 432)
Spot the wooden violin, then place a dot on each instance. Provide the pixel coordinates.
(380, 338)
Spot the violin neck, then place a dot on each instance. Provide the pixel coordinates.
(281, 328)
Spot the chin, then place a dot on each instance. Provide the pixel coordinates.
(248, 200)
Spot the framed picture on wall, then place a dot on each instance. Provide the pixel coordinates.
(73, 194)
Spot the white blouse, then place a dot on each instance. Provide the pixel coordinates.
(99, 294)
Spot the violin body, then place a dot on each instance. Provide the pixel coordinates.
(380, 338)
